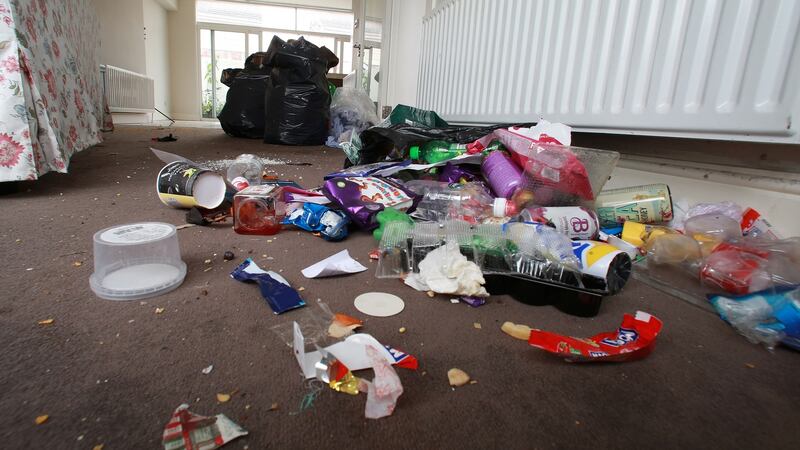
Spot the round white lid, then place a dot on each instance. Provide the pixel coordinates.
(134, 233)
(379, 304)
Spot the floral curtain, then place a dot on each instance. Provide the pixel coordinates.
(51, 94)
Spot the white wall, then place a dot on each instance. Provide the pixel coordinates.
(184, 64)
(157, 58)
(402, 66)
(121, 34)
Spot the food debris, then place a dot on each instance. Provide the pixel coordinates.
(431, 294)
(301, 289)
(77, 263)
(208, 261)
(228, 255)
(159, 310)
(457, 377)
(402, 330)
(41, 419)
(98, 447)
(455, 301)
(522, 332)
(208, 369)
(473, 381)
(180, 227)
(477, 325)
(273, 407)
(750, 366)
(375, 254)
(210, 268)
(46, 322)
(222, 398)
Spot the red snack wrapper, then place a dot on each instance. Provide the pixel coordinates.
(634, 339)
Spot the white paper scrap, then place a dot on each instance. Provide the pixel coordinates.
(339, 264)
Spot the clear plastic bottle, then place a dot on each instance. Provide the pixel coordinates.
(248, 167)
(470, 202)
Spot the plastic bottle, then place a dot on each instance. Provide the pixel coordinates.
(248, 167)
(469, 202)
(436, 151)
(503, 175)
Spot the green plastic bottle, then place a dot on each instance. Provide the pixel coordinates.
(436, 151)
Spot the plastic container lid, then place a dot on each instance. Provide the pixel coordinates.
(413, 152)
(136, 261)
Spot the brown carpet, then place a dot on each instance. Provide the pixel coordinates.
(112, 372)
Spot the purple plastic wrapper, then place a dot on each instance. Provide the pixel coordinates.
(473, 301)
(362, 198)
(454, 173)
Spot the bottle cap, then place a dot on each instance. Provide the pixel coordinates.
(500, 207)
(413, 152)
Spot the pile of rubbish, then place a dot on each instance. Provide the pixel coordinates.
(469, 212)
(282, 95)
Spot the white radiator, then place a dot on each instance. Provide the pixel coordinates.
(127, 91)
(725, 69)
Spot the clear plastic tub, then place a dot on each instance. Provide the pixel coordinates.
(136, 261)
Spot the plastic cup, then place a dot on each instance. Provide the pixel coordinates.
(136, 261)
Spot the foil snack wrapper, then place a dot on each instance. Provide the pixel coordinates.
(362, 198)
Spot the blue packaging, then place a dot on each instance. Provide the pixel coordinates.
(329, 223)
(768, 316)
(274, 288)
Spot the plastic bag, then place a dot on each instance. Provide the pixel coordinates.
(766, 317)
(407, 126)
(557, 175)
(725, 208)
(243, 113)
(297, 95)
(352, 112)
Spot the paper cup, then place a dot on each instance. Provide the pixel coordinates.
(181, 184)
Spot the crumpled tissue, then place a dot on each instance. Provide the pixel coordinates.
(446, 271)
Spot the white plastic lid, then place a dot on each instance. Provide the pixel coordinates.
(499, 207)
(136, 261)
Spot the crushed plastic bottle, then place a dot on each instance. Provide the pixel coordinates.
(469, 202)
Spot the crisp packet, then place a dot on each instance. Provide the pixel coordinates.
(276, 291)
(330, 224)
(634, 339)
(189, 431)
(362, 198)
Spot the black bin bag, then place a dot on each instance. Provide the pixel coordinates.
(297, 99)
(243, 113)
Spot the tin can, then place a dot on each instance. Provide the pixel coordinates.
(607, 264)
(576, 222)
(181, 184)
(651, 203)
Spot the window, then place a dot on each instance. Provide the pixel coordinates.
(246, 14)
(232, 31)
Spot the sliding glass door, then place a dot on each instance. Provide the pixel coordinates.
(220, 50)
